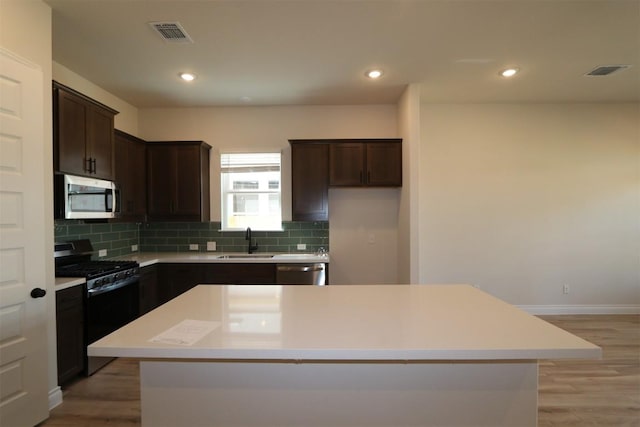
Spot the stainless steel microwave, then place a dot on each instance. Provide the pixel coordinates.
(78, 197)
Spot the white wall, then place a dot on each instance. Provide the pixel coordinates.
(244, 129)
(127, 118)
(522, 199)
(408, 215)
(363, 234)
(25, 30)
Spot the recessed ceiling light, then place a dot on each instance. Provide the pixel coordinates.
(374, 74)
(187, 76)
(509, 72)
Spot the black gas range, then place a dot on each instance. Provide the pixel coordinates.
(111, 292)
(73, 259)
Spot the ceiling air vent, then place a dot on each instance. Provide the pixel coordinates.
(605, 70)
(171, 32)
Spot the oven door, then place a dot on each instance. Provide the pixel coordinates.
(106, 312)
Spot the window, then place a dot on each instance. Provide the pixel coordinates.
(250, 191)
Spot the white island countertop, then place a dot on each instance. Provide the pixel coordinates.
(359, 322)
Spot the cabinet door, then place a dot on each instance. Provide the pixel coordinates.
(346, 164)
(384, 164)
(130, 175)
(100, 142)
(187, 181)
(310, 181)
(160, 181)
(70, 133)
(149, 298)
(138, 180)
(178, 181)
(70, 332)
(239, 274)
(175, 279)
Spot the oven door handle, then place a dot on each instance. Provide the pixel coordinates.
(121, 284)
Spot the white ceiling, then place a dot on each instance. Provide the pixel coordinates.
(301, 52)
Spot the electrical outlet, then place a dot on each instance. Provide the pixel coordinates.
(193, 247)
(302, 246)
(102, 252)
(565, 289)
(134, 248)
(211, 246)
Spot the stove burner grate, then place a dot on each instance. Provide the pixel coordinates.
(91, 269)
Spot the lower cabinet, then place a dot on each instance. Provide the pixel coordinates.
(174, 279)
(70, 332)
(162, 282)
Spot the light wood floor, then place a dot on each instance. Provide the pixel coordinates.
(589, 393)
(581, 393)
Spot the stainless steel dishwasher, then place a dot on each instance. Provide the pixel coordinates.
(301, 274)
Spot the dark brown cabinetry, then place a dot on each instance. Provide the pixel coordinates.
(309, 180)
(317, 164)
(174, 279)
(82, 134)
(70, 332)
(149, 296)
(130, 176)
(375, 163)
(239, 274)
(178, 181)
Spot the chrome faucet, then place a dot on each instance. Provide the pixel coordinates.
(247, 236)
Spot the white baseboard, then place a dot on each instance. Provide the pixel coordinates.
(55, 397)
(582, 309)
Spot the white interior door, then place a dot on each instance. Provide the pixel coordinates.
(23, 341)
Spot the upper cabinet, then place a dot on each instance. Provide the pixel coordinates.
(309, 180)
(178, 181)
(82, 134)
(131, 176)
(365, 163)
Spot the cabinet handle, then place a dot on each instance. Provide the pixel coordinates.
(87, 164)
(93, 162)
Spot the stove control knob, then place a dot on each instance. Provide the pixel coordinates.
(117, 276)
(97, 282)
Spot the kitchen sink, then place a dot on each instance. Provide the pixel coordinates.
(245, 256)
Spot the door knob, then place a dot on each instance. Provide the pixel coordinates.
(38, 293)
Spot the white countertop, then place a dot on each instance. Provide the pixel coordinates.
(68, 282)
(146, 259)
(365, 322)
(149, 258)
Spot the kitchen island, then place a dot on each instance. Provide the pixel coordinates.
(368, 355)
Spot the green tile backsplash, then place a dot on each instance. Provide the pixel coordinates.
(117, 238)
